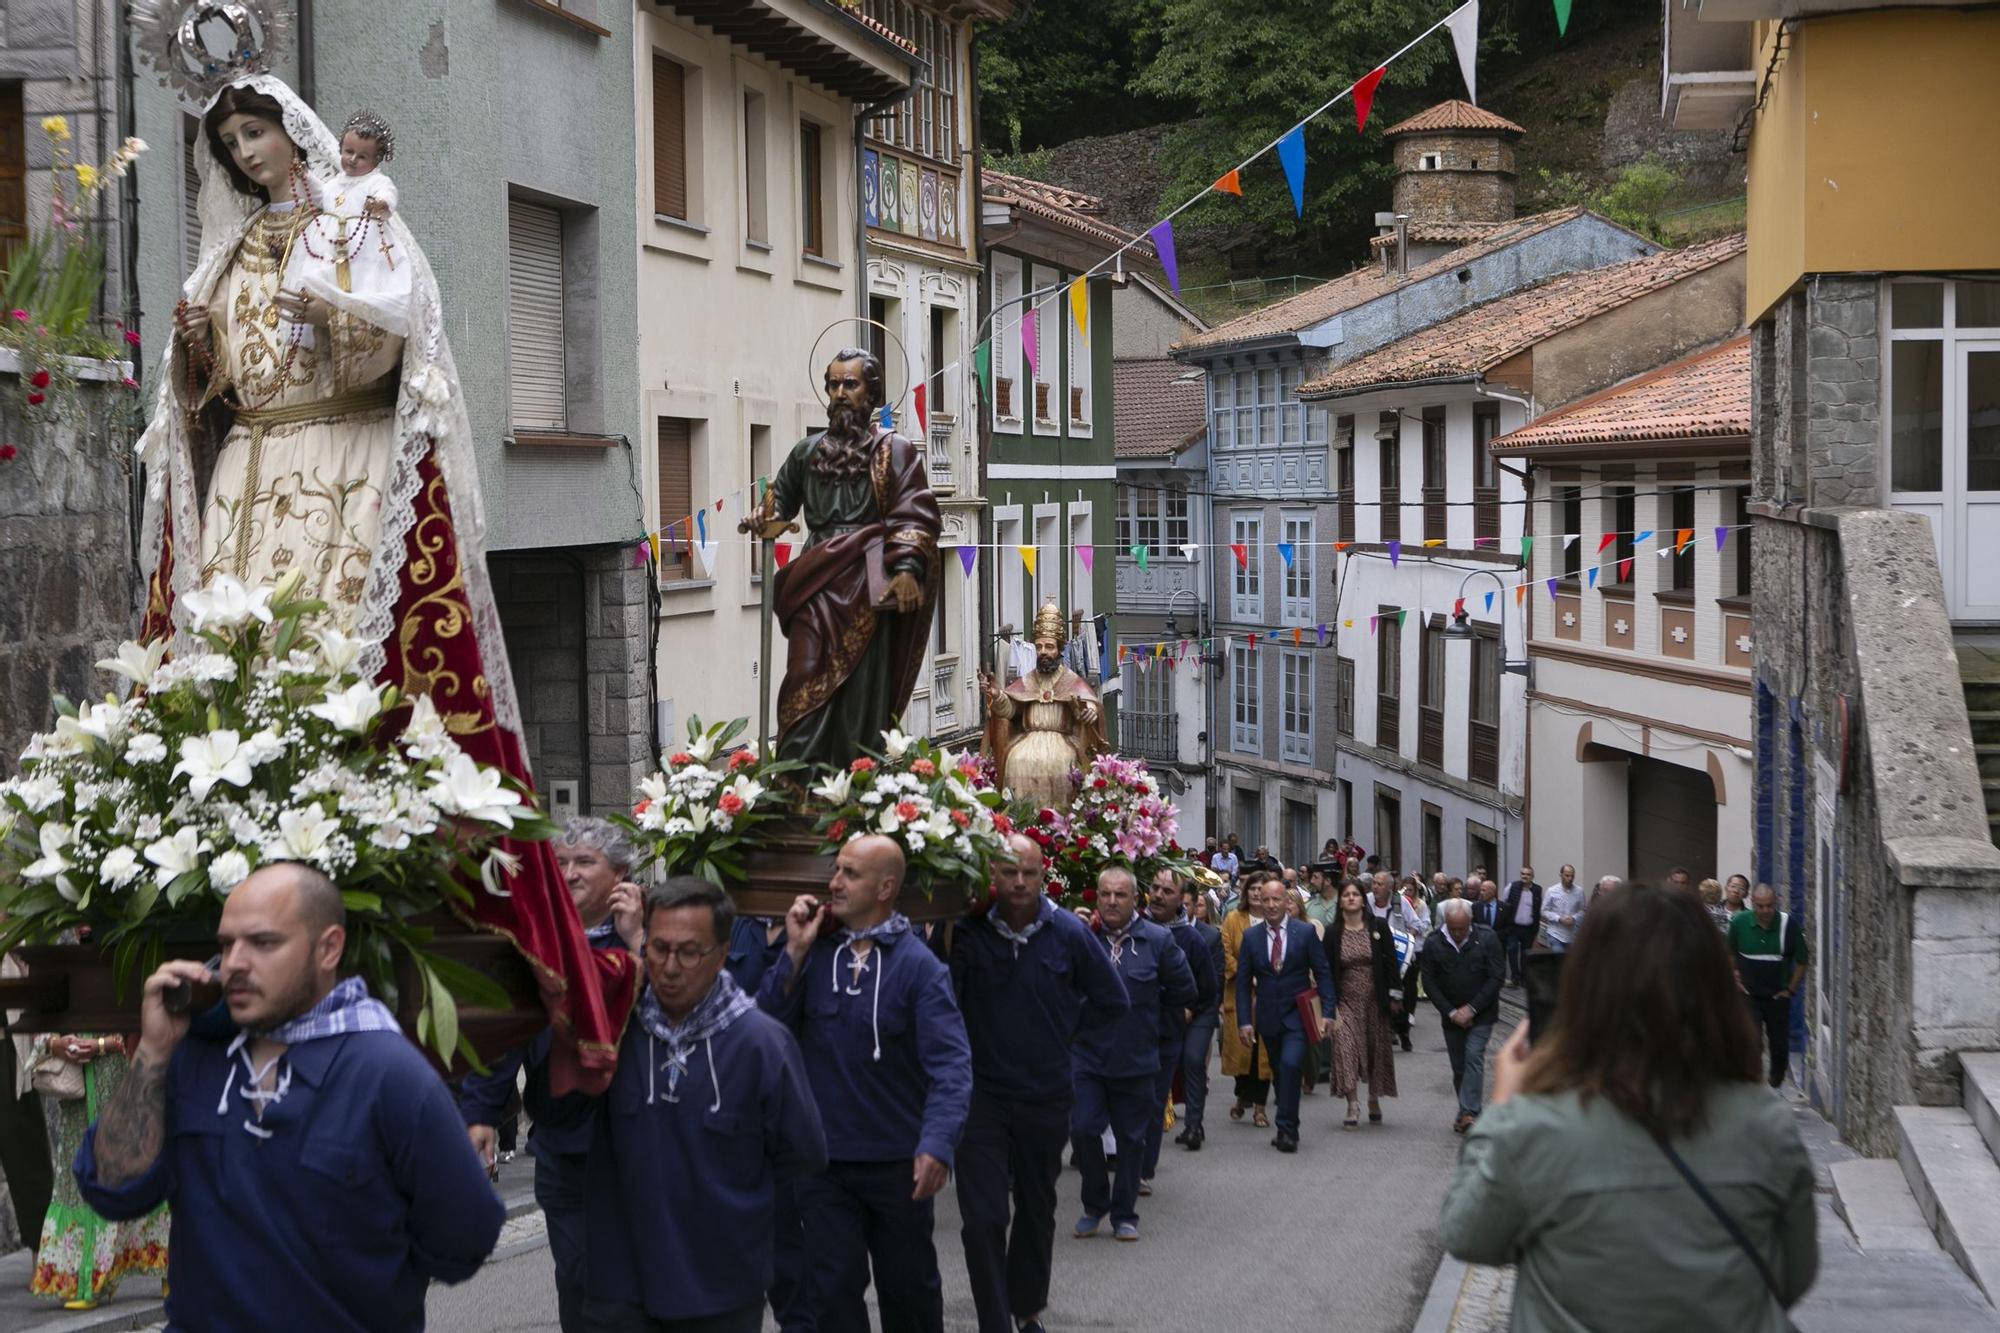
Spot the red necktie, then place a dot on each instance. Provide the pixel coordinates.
(1277, 948)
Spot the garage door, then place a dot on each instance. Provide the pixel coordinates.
(1671, 820)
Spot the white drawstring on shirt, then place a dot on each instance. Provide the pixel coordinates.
(254, 1091)
(875, 1018)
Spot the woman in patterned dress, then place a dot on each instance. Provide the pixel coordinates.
(1369, 995)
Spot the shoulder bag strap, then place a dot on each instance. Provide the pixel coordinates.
(1722, 1215)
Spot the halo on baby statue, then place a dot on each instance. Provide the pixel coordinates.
(820, 358)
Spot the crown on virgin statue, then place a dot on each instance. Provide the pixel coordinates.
(199, 47)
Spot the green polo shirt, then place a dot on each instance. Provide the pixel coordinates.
(1765, 958)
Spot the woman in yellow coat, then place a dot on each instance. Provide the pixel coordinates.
(1250, 1068)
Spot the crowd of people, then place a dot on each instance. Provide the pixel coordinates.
(791, 1096)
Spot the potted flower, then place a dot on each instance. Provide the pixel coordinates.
(700, 814)
(929, 801)
(136, 816)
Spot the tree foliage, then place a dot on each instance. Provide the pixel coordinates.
(1068, 68)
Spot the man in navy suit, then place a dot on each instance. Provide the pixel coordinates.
(1485, 895)
(1280, 960)
(1202, 945)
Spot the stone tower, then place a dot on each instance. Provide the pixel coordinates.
(1455, 163)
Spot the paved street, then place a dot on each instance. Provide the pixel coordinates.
(1341, 1235)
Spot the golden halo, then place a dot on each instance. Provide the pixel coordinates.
(816, 367)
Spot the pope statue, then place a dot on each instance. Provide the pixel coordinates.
(1043, 725)
(856, 604)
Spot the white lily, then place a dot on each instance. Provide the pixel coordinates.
(498, 865)
(55, 840)
(136, 661)
(351, 709)
(177, 855)
(836, 789)
(39, 792)
(67, 739)
(119, 867)
(228, 870)
(744, 790)
(895, 744)
(303, 834)
(424, 735)
(263, 747)
(145, 748)
(702, 748)
(466, 789)
(207, 760)
(654, 788)
(340, 650)
(697, 817)
(227, 604)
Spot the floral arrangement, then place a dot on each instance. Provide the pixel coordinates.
(700, 812)
(1117, 817)
(929, 800)
(136, 817)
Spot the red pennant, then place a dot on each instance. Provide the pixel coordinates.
(1242, 554)
(1605, 541)
(1364, 96)
(917, 400)
(1229, 182)
(718, 506)
(1625, 569)
(782, 553)
(1458, 608)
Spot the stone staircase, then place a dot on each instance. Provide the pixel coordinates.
(1943, 1189)
(1979, 674)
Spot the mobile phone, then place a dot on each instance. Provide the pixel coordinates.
(184, 996)
(1542, 979)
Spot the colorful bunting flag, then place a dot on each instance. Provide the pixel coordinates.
(1395, 554)
(1400, 614)
(887, 417)
(1139, 554)
(718, 506)
(982, 366)
(1296, 634)
(1489, 601)
(917, 402)
(1590, 579)
(1625, 569)
(1569, 540)
(1721, 536)
(705, 546)
(1562, 18)
(966, 555)
(1285, 553)
(1030, 337)
(1372, 622)
(1520, 592)
(1229, 182)
(1364, 96)
(1464, 27)
(1190, 550)
(1478, 542)
(1605, 541)
(1342, 546)
(1683, 538)
(1434, 541)
(1079, 305)
(1027, 558)
(1087, 557)
(1347, 624)
(639, 552)
(1322, 635)
(1642, 537)
(1292, 157)
(1552, 588)
(1527, 545)
(1242, 554)
(1253, 643)
(1162, 237)
(1457, 608)
(782, 553)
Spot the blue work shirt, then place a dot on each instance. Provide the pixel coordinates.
(366, 1190)
(483, 1098)
(1157, 979)
(885, 1053)
(1024, 1004)
(1207, 983)
(751, 952)
(680, 1195)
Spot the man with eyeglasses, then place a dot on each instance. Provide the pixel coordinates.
(708, 1113)
(887, 1058)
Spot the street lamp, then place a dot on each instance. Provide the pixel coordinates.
(1460, 628)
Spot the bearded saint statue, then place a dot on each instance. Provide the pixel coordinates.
(1045, 725)
(856, 603)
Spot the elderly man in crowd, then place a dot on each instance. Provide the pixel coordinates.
(1115, 1063)
(1028, 976)
(317, 1171)
(887, 1059)
(1201, 945)
(1463, 973)
(1769, 949)
(596, 860)
(709, 1111)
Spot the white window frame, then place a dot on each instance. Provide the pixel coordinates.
(1082, 582)
(1077, 341)
(1048, 542)
(1007, 573)
(1246, 730)
(1177, 525)
(1298, 596)
(1128, 499)
(1048, 353)
(1295, 718)
(1222, 409)
(1007, 359)
(1246, 580)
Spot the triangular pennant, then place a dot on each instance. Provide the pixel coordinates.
(1664, 552)
(1031, 337)
(1400, 615)
(782, 553)
(1395, 554)
(1721, 536)
(1569, 539)
(1464, 27)
(705, 546)
(1189, 550)
(1253, 643)
(1605, 541)
(1682, 539)
(1590, 578)
(1296, 636)
(1562, 17)
(1079, 306)
(1322, 635)
(1625, 569)
(1642, 536)
(887, 417)
(718, 506)
(1434, 541)
(650, 546)
(1347, 624)
(1162, 237)
(1139, 554)
(1285, 550)
(1229, 182)
(966, 555)
(1489, 601)
(1342, 546)
(1552, 587)
(1027, 554)
(1527, 545)
(1242, 554)
(1292, 157)
(1478, 542)
(1364, 96)
(1372, 621)
(982, 366)
(1087, 557)
(1520, 592)
(917, 402)
(1457, 608)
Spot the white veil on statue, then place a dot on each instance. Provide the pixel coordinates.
(430, 409)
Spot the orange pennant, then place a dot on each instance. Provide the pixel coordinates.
(1295, 637)
(1229, 182)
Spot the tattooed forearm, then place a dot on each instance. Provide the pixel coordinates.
(132, 1126)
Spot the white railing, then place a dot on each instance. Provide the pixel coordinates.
(944, 691)
(942, 466)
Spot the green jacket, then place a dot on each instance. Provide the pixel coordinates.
(1608, 1236)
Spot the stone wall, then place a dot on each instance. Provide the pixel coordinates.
(576, 627)
(69, 584)
(1473, 181)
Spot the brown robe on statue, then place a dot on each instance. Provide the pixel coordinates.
(850, 661)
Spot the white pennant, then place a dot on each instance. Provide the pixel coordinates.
(1666, 551)
(706, 551)
(1569, 539)
(1189, 550)
(1464, 25)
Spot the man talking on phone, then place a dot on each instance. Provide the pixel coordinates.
(887, 1059)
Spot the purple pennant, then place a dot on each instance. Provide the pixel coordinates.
(965, 556)
(1552, 587)
(1721, 536)
(1030, 337)
(1088, 555)
(1322, 636)
(1395, 554)
(1162, 237)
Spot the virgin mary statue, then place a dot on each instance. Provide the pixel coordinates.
(309, 418)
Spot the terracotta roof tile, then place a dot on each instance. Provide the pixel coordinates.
(1297, 313)
(1160, 407)
(1439, 233)
(880, 29)
(1052, 203)
(1703, 396)
(1453, 115)
(1475, 341)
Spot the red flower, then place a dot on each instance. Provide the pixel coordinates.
(1089, 895)
(131, 337)
(838, 831)
(40, 379)
(862, 765)
(923, 768)
(960, 818)
(20, 316)
(906, 810)
(129, 383)
(1100, 784)
(679, 757)
(1047, 816)
(1110, 809)
(1001, 824)
(731, 804)
(37, 399)
(7, 452)
(642, 807)
(740, 759)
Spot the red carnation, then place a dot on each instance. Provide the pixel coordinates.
(731, 804)
(862, 765)
(642, 807)
(923, 768)
(40, 379)
(679, 757)
(36, 399)
(1100, 784)
(1047, 816)
(906, 810)
(960, 818)
(740, 759)
(1001, 824)
(838, 831)
(1089, 895)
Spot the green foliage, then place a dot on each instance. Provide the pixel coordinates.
(1638, 197)
(1065, 69)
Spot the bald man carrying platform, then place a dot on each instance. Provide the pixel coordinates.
(887, 1059)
